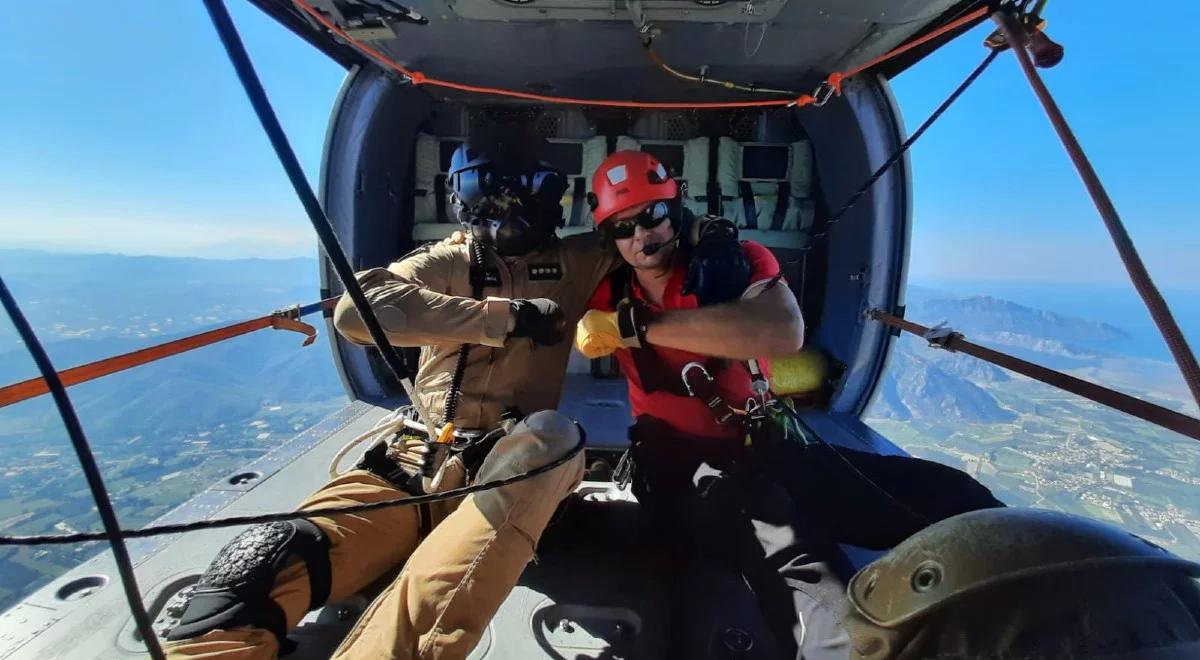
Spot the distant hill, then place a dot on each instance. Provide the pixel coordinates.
(92, 296)
(225, 382)
(925, 384)
(87, 307)
(928, 384)
(162, 432)
(988, 319)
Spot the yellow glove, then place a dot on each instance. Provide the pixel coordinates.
(597, 334)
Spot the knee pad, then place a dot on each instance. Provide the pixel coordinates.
(236, 589)
(540, 439)
(546, 436)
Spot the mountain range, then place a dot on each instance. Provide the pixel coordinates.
(86, 307)
(924, 383)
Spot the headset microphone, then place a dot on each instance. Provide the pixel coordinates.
(653, 248)
(650, 249)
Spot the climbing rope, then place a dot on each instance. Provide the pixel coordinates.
(235, 521)
(903, 149)
(240, 59)
(91, 471)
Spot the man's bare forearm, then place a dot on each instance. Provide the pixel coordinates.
(766, 325)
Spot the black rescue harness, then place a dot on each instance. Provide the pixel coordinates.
(696, 379)
(652, 372)
(762, 416)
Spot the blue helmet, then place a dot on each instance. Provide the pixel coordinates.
(505, 194)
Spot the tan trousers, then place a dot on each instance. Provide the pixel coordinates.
(453, 580)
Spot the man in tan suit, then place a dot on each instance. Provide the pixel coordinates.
(500, 305)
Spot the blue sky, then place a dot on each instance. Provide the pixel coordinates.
(996, 196)
(138, 139)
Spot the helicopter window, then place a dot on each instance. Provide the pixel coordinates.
(566, 156)
(670, 155)
(766, 186)
(765, 162)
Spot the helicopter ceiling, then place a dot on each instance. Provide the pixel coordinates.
(594, 48)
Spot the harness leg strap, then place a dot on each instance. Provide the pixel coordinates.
(376, 461)
(235, 591)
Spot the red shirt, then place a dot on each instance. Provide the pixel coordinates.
(687, 415)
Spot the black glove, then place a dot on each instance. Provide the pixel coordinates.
(717, 268)
(540, 319)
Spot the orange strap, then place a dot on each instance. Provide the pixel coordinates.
(834, 81)
(282, 320)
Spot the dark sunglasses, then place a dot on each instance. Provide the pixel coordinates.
(650, 218)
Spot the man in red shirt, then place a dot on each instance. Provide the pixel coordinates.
(720, 305)
(691, 318)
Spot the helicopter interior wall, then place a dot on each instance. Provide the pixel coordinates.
(862, 261)
(367, 189)
(590, 48)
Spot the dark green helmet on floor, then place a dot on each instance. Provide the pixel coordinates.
(1027, 584)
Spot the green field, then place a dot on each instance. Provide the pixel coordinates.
(1061, 444)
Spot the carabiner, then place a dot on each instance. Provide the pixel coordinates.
(684, 375)
(823, 93)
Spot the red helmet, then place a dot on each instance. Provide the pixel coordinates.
(627, 179)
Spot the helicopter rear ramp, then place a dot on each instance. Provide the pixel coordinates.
(600, 587)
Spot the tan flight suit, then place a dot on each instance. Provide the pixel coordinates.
(454, 579)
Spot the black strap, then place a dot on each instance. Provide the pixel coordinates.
(226, 608)
(439, 197)
(478, 273)
(748, 206)
(478, 277)
(620, 285)
(313, 547)
(652, 372)
(714, 186)
(377, 462)
(578, 202)
(782, 201)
